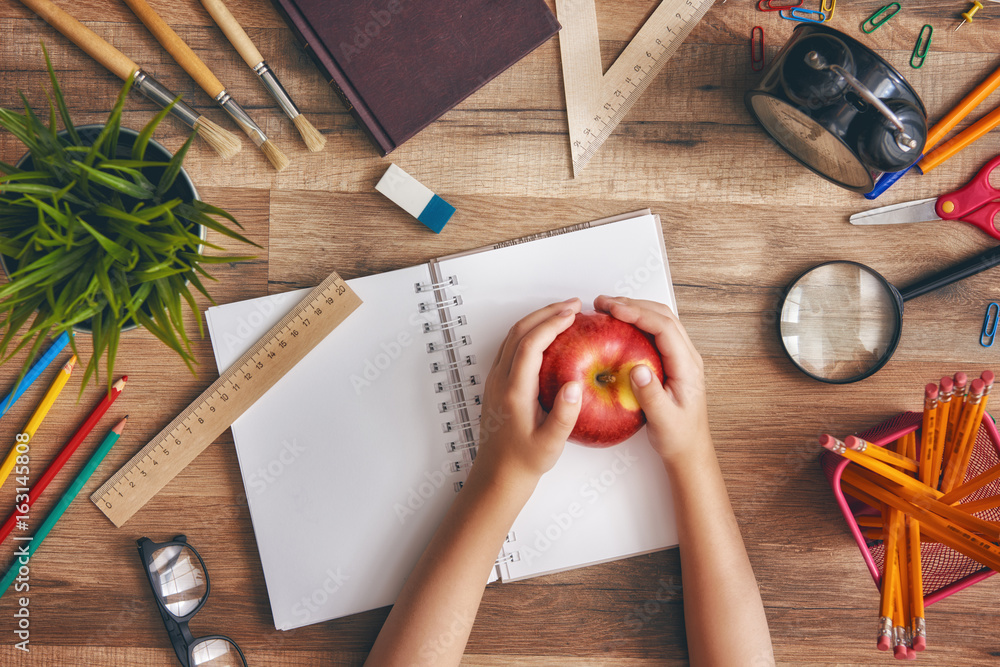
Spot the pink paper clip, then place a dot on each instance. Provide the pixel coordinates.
(777, 5)
(757, 48)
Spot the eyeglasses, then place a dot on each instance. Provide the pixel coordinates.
(180, 585)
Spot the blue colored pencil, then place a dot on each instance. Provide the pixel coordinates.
(37, 369)
(64, 502)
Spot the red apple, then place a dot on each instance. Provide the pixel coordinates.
(600, 352)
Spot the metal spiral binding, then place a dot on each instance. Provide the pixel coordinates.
(456, 368)
(507, 557)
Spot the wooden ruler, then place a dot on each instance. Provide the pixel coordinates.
(318, 314)
(596, 101)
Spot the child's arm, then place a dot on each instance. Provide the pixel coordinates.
(432, 618)
(723, 613)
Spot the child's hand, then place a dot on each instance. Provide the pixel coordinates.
(676, 413)
(516, 436)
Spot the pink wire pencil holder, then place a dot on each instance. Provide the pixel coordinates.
(945, 571)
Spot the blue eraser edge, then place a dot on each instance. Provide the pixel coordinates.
(436, 214)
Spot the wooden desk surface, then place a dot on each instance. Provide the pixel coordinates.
(740, 219)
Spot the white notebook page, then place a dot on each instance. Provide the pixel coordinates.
(596, 504)
(344, 459)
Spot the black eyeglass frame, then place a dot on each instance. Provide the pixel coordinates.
(177, 626)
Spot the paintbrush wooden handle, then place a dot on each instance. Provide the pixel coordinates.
(95, 46)
(233, 31)
(177, 48)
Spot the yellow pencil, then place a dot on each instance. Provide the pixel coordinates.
(24, 437)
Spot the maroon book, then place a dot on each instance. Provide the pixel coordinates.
(398, 65)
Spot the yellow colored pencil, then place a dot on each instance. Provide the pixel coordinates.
(24, 437)
(897, 458)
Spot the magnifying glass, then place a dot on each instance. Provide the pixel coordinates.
(841, 321)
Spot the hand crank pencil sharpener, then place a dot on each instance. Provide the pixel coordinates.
(840, 109)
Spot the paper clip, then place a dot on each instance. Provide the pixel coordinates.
(876, 24)
(769, 6)
(757, 48)
(827, 7)
(922, 46)
(803, 15)
(990, 333)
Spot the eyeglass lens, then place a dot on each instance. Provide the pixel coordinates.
(179, 578)
(839, 320)
(215, 652)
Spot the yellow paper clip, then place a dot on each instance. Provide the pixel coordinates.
(878, 19)
(827, 7)
(922, 46)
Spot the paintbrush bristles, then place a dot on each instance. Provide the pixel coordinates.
(223, 141)
(314, 140)
(277, 158)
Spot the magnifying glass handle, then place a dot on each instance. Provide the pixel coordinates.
(969, 267)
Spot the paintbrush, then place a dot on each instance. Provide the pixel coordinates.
(226, 143)
(245, 47)
(203, 76)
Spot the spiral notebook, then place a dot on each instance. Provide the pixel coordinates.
(351, 460)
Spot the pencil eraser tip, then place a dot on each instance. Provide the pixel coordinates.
(919, 643)
(988, 377)
(931, 390)
(910, 653)
(827, 441)
(947, 385)
(899, 652)
(415, 198)
(852, 442)
(977, 386)
(960, 379)
(883, 643)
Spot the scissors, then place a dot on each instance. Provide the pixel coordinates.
(974, 203)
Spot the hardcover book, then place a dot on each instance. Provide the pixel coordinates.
(398, 65)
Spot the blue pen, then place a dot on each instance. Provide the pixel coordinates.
(887, 179)
(37, 369)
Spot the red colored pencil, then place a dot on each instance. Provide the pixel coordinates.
(60, 461)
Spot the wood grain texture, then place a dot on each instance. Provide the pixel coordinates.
(740, 219)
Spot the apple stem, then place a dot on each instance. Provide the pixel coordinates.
(606, 378)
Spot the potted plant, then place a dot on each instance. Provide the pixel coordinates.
(100, 230)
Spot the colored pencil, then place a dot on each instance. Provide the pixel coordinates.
(61, 341)
(23, 439)
(64, 502)
(60, 461)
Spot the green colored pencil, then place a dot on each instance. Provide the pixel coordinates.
(64, 502)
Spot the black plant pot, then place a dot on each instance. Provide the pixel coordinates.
(155, 152)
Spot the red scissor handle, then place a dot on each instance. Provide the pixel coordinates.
(974, 203)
